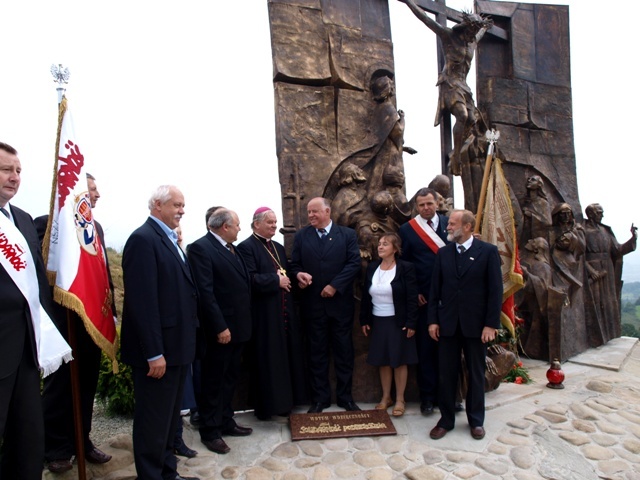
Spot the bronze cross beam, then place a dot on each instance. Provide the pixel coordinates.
(440, 9)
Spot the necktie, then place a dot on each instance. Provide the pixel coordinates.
(430, 223)
(323, 233)
(461, 249)
(5, 212)
(231, 249)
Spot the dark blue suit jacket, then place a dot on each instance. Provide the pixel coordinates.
(336, 264)
(472, 298)
(224, 289)
(414, 250)
(160, 301)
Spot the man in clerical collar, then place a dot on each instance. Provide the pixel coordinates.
(276, 346)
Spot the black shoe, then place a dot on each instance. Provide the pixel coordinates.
(96, 456)
(180, 477)
(318, 407)
(459, 407)
(438, 432)
(60, 466)
(184, 451)
(217, 445)
(195, 419)
(238, 431)
(349, 406)
(477, 433)
(427, 407)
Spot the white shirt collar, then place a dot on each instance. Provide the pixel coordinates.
(219, 238)
(423, 222)
(467, 244)
(327, 228)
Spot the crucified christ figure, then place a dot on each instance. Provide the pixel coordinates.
(459, 44)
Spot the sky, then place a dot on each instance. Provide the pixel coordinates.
(181, 93)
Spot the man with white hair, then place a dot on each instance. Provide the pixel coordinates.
(159, 323)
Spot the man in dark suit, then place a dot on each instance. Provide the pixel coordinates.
(21, 421)
(325, 261)
(158, 335)
(422, 237)
(224, 309)
(56, 395)
(464, 312)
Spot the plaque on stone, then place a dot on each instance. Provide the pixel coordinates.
(365, 423)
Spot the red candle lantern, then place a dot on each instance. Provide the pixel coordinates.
(555, 375)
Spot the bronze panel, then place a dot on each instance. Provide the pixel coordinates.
(366, 423)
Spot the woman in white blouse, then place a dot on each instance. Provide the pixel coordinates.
(389, 313)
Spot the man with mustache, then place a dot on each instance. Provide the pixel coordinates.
(159, 323)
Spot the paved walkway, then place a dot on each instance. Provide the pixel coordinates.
(589, 430)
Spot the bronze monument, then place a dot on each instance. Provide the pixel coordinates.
(340, 135)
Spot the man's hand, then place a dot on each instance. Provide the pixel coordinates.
(157, 368)
(285, 283)
(421, 300)
(304, 279)
(365, 330)
(434, 331)
(410, 332)
(328, 292)
(488, 334)
(224, 336)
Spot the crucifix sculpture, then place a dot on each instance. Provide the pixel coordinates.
(456, 48)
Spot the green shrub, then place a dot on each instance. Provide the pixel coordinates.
(115, 390)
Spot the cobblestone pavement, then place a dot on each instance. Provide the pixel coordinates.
(589, 430)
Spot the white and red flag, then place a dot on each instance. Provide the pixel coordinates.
(498, 227)
(73, 251)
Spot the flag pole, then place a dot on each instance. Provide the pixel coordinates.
(492, 137)
(61, 77)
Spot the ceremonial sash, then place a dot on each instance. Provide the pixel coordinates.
(17, 260)
(429, 237)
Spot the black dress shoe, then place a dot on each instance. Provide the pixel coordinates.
(184, 451)
(477, 433)
(60, 466)
(96, 456)
(217, 445)
(238, 431)
(458, 407)
(318, 407)
(437, 432)
(427, 407)
(349, 406)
